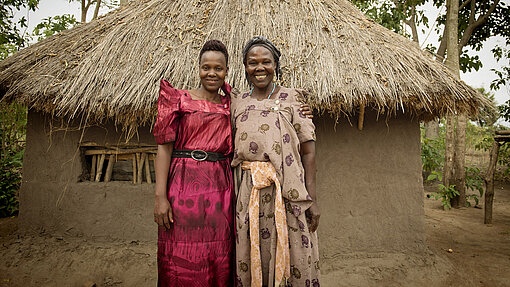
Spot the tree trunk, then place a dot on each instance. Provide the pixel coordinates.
(83, 11)
(457, 143)
(489, 183)
(96, 10)
(441, 51)
(449, 150)
(459, 162)
(432, 129)
(412, 23)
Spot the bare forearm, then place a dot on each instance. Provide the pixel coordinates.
(308, 160)
(162, 166)
(309, 167)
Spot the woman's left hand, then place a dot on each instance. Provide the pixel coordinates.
(313, 213)
(307, 111)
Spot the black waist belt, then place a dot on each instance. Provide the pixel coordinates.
(199, 155)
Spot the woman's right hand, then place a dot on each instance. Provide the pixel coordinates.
(313, 213)
(163, 212)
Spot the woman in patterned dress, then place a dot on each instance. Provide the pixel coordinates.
(275, 149)
(193, 198)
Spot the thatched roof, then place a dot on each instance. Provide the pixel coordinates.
(111, 67)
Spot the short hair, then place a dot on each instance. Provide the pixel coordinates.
(214, 45)
(264, 42)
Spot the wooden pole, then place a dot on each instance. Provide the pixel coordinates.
(134, 168)
(109, 168)
(120, 151)
(100, 168)
(93, 169)
(361, 118)
(140, 160)
(153, 158)
(489, 183)
(148, 170)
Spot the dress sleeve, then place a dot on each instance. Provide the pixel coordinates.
(304, 126)
(167, 122)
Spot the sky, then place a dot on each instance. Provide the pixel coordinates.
(476, 79)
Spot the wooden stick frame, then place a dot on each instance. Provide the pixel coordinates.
(501, 138)
(139, 156)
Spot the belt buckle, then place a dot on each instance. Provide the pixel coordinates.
(202, 155)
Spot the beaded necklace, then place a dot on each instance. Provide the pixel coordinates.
(272, 91)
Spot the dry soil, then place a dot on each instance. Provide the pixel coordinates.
(480, 255)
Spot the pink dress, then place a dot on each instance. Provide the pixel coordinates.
(198, 249)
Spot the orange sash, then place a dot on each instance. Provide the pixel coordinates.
(263, 174)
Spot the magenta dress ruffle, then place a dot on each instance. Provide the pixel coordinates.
(198, 249)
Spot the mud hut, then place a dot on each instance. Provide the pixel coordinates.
(91, 93)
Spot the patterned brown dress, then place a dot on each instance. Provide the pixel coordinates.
(272, 130)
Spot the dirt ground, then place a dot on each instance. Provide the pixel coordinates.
(480, 257)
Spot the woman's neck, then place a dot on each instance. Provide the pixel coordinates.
(266, 92)
(203, 94)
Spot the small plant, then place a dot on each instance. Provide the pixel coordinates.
(432, 154)
(474, 181)
(446, 193)
(10, 179)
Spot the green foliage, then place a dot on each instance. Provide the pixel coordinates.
(13, 118)
(504, 159)
(446, 193)
(469, 63)
(52, 25)
(13, 121)
(496, 24)
(10, 30)
(504, 110)
(6, 50)
(10, 179)
(432, 151)
(503, 75)
(487, 116)
(392, 14)
(475, 182)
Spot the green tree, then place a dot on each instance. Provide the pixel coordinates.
(86, 4)
(478, 21)
(13, 116)
(501, 54)
(504, 110)
(11, 37)
(487, 116)
(472, 22)
(396, 14)
(52, 25)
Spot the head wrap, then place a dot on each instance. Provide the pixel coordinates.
(264, 42)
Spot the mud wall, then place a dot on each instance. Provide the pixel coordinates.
(53, 200)
(369, 187)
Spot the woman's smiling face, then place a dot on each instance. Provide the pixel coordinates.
(213, 70)
(260, 66)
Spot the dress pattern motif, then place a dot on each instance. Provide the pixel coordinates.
(198, 249)
(271, 131)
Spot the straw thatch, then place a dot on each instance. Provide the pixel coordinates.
(111, 67)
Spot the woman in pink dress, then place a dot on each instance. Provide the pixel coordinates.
(194, 188)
